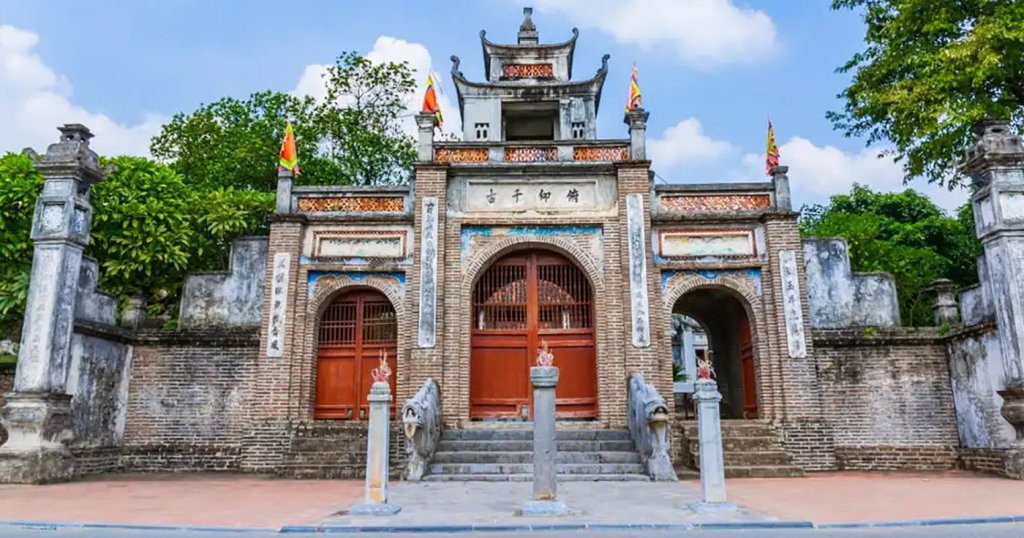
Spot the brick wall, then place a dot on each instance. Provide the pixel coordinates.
(187, 400)
(886, 394)
(6, 385)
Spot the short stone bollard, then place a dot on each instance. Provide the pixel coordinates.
(375, 501)
(545, 446)
(709, 434)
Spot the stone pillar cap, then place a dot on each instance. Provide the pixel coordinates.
(544, 376)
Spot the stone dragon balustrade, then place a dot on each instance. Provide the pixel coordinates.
(648, 427)
(421, 421)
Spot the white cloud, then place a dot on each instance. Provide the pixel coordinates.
(816, 172)
(701, 32)
(34, 100)
(392, 49)
(686, 142)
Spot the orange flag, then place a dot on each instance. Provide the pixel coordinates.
(430, 101)
(289, 156)
(635, 98)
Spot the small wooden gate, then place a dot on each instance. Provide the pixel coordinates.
(521, 301)
(355, 329)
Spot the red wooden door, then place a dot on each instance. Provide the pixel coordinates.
(747, 368)
(355, 330)
(524, 300)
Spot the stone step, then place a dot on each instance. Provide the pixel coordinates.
(632, 477)
(459, 445)
(463, 457)
(492, 434)
(740, 459)
(741, 444)
(735, 428)
(527, 468)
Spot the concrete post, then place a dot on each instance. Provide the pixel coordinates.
(944, 308)
(545, 445)
(37, 415)
(636, 119)
(709, 434)
(134, 313)
(284, 191)
(995, 165)
(780, 180)
(425, 122)
(375, 501)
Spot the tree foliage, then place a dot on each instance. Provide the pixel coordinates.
(931, 69)
(353, 136)
(19, 186)
(904, 234)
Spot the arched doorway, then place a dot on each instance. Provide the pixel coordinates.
(723, 318)
(522, 301)
(356, 328)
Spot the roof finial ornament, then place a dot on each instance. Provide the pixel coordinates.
(527, 30)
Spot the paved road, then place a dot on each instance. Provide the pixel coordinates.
(943, 531)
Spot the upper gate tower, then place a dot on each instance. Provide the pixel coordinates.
(529, 93)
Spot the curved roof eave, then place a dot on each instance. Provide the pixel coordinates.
(488, 46)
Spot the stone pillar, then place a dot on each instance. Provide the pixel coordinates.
(37, 415)
(284, 191)
(709, 435)
(995, 165)
(636, 119)
(780, 180)
(944, 308)
(375, 501)
(425, 122)
(545, 445)
(134, 313)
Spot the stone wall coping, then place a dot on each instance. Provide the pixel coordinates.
(533, 143)
(108, 332)
(877, 336)
(714, 217)
(360, 217)
(351, 189)
(972, 330)
(713, 188)
(207, 337)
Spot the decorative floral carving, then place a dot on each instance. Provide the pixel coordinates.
(382, 373)
(540, 70)
(545, 357)
(461, 155)
(715, 202)
(600, 153)
(353, 204)
(531, 154)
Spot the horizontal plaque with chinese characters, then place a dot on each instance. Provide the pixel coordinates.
(531, 196)
(795, 337)
(361, 244)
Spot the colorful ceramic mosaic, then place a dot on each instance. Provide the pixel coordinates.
(528, 71)
(715, 202)
(600, 153)
(353, 204)
(530, 155)
(460, 155)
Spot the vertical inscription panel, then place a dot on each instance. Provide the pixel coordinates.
(638, 270)
(278, 304)
(791, 301)
(428, 274)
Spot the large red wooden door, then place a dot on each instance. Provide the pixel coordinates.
(523, 300)
(747, 368)
(355, 330)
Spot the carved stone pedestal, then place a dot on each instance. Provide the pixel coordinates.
(38, 426)
(1013, 412)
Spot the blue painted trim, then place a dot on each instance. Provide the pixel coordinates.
(753, 273)
(356, 276)
(469, 231)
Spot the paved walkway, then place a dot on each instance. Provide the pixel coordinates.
(255, 501)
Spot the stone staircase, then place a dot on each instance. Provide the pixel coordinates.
(506, 454)
(752, 449)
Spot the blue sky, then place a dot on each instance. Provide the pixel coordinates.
(711, 70)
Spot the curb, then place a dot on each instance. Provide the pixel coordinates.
(541, 527)
(54, 525)
(923, 522)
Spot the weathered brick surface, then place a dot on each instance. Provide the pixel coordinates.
(886, 394)
(6, 385)
(983, 460)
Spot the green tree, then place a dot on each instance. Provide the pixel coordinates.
(19, 186)
(931, 69)
(904, 234)
(351, 137)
